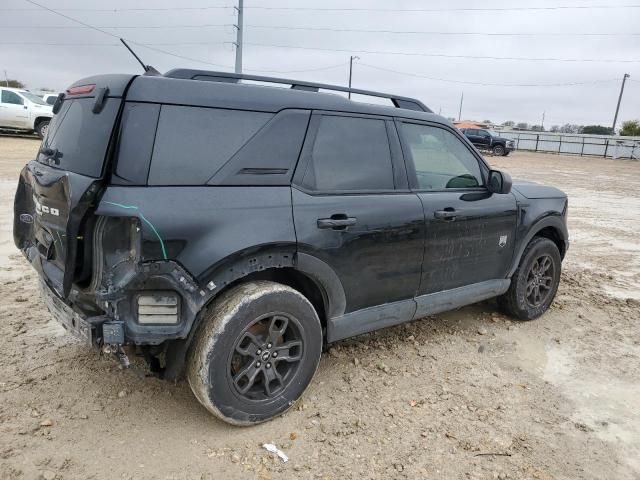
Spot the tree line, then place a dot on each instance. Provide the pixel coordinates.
(629, 128)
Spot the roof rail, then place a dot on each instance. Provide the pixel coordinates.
(212, 76)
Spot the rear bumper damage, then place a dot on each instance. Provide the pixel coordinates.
(118, 321)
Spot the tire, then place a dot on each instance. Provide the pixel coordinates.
(520, 301)
(255, 352)
(498, 150)
(42, 128)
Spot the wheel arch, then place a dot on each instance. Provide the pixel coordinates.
(551, 227)
(40, 119)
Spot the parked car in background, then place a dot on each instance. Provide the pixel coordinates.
(49, 98)
(22, 110)
(488, 140)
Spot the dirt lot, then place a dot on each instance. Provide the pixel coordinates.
(467, 394)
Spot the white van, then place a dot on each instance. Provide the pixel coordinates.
(23, 110)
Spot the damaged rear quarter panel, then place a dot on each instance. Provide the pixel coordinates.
(201, 226)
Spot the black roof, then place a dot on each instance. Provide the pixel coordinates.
(223, 90)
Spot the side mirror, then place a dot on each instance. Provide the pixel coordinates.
(58, 103)
(499, 182)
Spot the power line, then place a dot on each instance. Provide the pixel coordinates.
(151, 46)
(455, 9)
(97, 29)
(443, 55)
(116, 10)
(487, 84)
(427, 32)
(332, 29)
(345, 9)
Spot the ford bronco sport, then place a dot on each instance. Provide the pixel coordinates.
(227, 230)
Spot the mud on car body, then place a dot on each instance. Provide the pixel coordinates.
(226, 229)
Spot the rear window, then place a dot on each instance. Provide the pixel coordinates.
(78, 138)
(193, 143)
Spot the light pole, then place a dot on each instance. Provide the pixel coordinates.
(351, 59)
(615, 117)
(239, 33)
(460, 111)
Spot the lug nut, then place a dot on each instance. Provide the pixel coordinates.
(269, 345)
(268, 365)
(258, 352)
(275, 354)
(258, 364)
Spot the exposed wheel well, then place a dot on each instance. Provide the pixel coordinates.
(294, 279)
(554, 235)
(39, 120)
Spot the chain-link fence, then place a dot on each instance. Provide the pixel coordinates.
(593, 145)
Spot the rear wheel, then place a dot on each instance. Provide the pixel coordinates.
(42, 128)
(255, 352)
(498, 150)
(535, 283)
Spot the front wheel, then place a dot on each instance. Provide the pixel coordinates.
(42, 128)
(535, 283)
(498, 150)
(255, 352)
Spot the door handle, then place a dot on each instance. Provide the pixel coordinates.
(446, 214)
(337, 222)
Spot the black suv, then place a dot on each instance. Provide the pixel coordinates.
(228, 229)
(488, 140)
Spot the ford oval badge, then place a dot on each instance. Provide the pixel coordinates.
(26, 218)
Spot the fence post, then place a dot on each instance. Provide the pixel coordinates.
(537, 139)
(518, 142)
(582, 149)
(606, 147)
(560, 145)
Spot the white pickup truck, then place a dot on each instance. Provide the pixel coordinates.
(24, 111)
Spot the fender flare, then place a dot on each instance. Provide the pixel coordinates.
(555, 222)
(278, 256)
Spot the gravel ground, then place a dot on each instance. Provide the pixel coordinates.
(462, 395)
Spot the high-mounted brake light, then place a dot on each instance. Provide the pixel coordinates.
(81, 89)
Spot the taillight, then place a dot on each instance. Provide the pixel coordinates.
(81, 89)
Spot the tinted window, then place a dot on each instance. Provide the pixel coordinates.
(350, 154)
(11, 97)
(139, 121)
(192, 143)
(80, 137)
(440, 158)
(51, 100)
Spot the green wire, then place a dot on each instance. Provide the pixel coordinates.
(144, 219)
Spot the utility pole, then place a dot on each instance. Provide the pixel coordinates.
(351, 59)
(6, 79)
(460, 111)
(239, 31)
(615, 117)
(542, 124)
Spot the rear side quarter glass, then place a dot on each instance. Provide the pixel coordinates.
(137, 133)
(269, 158)
(192, 143)
(80, 136)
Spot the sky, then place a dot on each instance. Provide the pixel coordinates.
(432, 50)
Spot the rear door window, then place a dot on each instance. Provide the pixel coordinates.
(193, 143)
(78, 138)
(350, 153)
